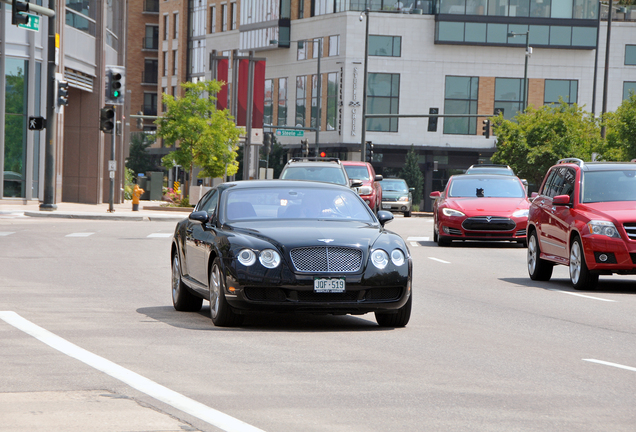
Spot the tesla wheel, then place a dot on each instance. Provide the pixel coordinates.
(443, 241)
(538, 269)
(399, 319)
(580, 276)
(435, 235)
(220, 311)
(182, 299)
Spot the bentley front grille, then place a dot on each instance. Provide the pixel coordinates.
(323, 259)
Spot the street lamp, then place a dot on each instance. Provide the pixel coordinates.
(363, 134)
(525, 70)
(318, 88)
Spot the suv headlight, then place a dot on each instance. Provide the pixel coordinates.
(603, 228)
(452, 212)
(364, 190)
(403, 198)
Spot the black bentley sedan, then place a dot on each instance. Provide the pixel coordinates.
(289, 246)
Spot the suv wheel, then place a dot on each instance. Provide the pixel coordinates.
(580, 276)
(538, 269)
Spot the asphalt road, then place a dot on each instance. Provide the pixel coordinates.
(89, 341)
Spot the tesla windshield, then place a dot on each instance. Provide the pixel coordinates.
(486, 187)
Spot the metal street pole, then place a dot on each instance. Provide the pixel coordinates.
(525, 73)
(607, 58)
(111, 174)
(48, 203)
(598, 28)
(319, 97)
(363, 133)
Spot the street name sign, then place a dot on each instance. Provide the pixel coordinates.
(290, 133)
(33, 24)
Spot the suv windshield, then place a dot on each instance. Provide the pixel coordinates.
(604, 186)
(504, 187)
(329, 174)
(357, 172)
(394, 185)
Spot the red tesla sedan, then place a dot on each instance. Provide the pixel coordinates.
(480, 207)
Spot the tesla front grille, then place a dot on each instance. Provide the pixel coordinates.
(630, 229)
(327, 259)
(489, 223)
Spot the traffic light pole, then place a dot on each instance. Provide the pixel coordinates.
(111, 174)
(48, 202)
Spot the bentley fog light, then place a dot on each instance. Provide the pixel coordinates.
(603, 228)
(379, 258)
(269, 258)
(397, 257)
(247, 257)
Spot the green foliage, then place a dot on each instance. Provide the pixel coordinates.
(140, 160)
(533, 141)
(621, 130)
(128, 185)
(413, 175)
(206, 136)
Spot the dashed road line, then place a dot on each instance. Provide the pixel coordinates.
(439, 260)
(159, 235)
(418, 239)
(616, 365)
(134, 380)
(80, 234)
(6, 233)
(581, 295)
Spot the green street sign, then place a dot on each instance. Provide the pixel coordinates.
(33, 24)
(290, 133)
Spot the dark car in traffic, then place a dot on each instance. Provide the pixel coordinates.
(289, 246)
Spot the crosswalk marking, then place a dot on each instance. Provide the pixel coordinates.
(80, 234)
(159, 235)
(6, 233)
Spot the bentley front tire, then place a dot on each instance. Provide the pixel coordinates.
(220, 311)
(399, 319)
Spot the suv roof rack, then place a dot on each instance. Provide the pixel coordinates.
(314, 159)
(577, 161)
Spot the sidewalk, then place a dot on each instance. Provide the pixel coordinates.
(148, 211)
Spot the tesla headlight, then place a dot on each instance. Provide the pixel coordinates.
(403, 199)
(603, 228)
(397, 257)
(452, 212)
(364, 190)
(379, 258)
(247, 257)
(269, 258)
(521, 213)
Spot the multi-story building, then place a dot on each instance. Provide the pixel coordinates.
(91, 37)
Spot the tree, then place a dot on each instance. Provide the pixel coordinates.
(276, 157)
(621, 130)
(140, 160)
(533, 141)
(205, 136)
(413, 175)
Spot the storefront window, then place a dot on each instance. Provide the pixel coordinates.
(15, 127)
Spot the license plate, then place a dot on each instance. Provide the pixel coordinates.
(386, 206)
(322, 285)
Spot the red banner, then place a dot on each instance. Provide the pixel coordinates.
(221, 75)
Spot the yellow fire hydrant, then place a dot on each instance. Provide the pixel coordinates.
(137, 191)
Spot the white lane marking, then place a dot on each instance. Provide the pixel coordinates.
(581, 295)
(159, 235)
(439, 260)
(80, 234)
(415, 244)
(418, 239)
(3, 234)
(134, 380)
(616, 365)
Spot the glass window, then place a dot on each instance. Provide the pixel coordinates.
(213, 19)
(223, 17)
(476, 32)
(301, 102)
(176, 26)
(497, 7)
(519, 8)
(165, 27)
(282, 101)
(539, 35)
(175, 62)
(150, 103)
(628, 89)
(560, 35)
(81, 15)
(560, 89)
(388, 46)
(461, 98)
(508, 96)
(630, 55)
(268, 104)
(332, 101)
(151, 40)
(497, 33)
(15, 94)
(383, 96)
(150, 71)
(233, 16)
(334, 45)
(450, 31)
(561, 9)
(314, 102)
(540, 8)
(519, 39)
(452, 7)
(476, 7)
(301, 53)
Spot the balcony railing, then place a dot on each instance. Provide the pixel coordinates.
(150, 110)
(151, 6)
(149, 77)
(150, 43)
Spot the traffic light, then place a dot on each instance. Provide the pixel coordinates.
(369, 151)
(486, 128)
(114, 85)
(107, 119)
(140, 121)
(18, 9)
(432, 121)
(267, 142)
(62, 93)
(305, 147)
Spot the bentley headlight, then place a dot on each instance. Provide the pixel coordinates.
(269, 258)
(364, 190)
(452, 212)
(603, 228)
(521, 213)
(379, 258)
(397, 257)
(247, 257)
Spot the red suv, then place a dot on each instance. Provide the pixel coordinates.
(583, 217)
(370, 191)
